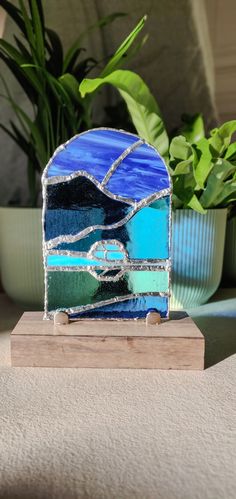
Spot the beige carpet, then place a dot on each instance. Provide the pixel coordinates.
(106, 434)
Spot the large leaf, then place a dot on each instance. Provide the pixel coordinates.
(195, 205)
(183, 187)
(141, 104)
(221, 171)
(71, 85)
(221, 137)
(183, 167)
(193, 129)
(228, 191)
(203, 162)
(180, 148)
(115, 61)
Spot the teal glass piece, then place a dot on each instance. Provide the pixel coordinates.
(86, 289)
(149, 231)
(106, 228)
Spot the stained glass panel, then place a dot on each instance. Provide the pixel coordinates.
(106, 227)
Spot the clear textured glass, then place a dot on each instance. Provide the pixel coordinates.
(107, 227)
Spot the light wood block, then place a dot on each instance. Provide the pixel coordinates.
(175, 344)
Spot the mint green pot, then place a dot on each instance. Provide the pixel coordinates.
(21, 260)
(198, 249)
(229, 268)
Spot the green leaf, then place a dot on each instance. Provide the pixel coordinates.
(25, 53)
(28, 26)
(231, 151)
(133, 51)
(38, 31)
(83, 67)
(22, 79)
(203, 162)
(176, 202)
(221, 138)
(195, 205)
(183, 167)
(215, 183)
(115, 61)
(180, 148)
(71, 85)
(55, 49)
(23, 64)
(193, 129)
(183, 187)
(228, 192)
(12, 52)
(141, 104)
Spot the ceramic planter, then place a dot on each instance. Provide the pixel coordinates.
(21, 255)
(198, 248)
(229, 269)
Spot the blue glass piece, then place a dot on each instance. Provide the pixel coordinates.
(93, 152)
(144, 236)
(146, 281)
(83, 244)
(135, 308)
(144, 173)
(148, 232)
(71, 261)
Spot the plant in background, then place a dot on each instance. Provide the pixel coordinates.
(203, 169)
(50, 81)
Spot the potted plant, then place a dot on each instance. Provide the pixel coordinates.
(203, 173)
(229, 267)
(50, 80)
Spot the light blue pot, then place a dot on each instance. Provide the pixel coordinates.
(198, 249)
(229, 269)
(21, 259)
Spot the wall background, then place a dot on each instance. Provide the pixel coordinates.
(221, 16)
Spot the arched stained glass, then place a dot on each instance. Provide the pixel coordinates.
(106, 227)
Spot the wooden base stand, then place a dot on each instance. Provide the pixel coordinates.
(174, 344)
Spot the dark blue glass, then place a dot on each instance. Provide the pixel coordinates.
(129, 309)
(78, 204)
